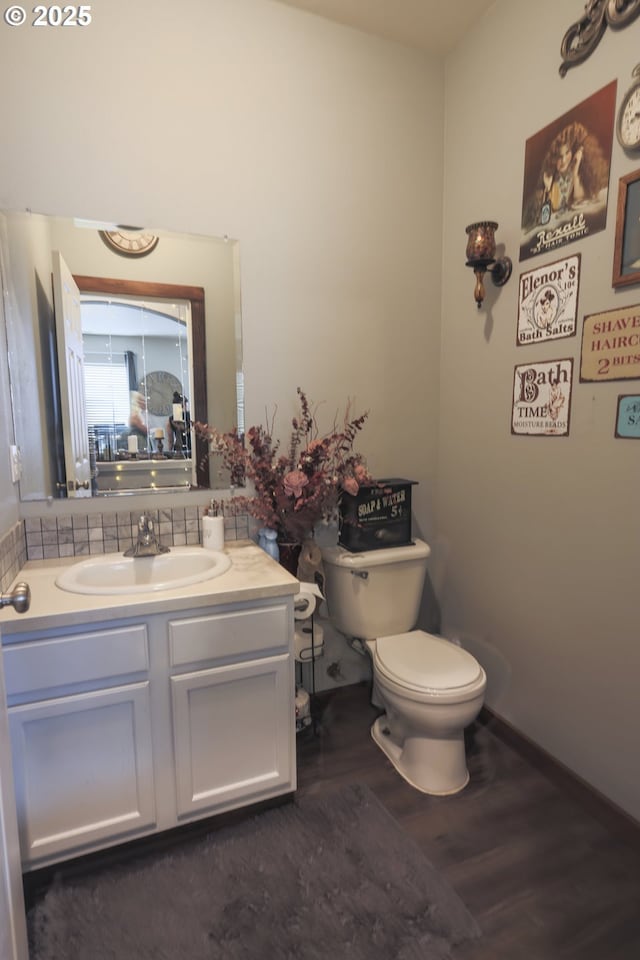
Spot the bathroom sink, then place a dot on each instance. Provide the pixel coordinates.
(117, 574)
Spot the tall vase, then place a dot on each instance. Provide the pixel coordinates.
(289, 555)
(267, 539)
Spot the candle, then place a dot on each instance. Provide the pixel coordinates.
(177, 411)
(132, 443)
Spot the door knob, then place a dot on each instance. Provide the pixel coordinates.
(19, 598)
(74, 485)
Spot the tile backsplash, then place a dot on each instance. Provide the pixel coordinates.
(13, 554)
(48, 538)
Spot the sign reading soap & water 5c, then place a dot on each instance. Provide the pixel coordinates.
(611, 345)
(542, 398)
(548, 301)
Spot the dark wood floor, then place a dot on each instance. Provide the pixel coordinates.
(544, 879)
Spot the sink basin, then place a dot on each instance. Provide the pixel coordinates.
(116, 574)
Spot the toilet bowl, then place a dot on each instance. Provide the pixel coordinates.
(429, 688)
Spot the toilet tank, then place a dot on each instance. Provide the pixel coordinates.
(375, 593)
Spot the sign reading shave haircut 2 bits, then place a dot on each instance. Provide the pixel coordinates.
(611, 345)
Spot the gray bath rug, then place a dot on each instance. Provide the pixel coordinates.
(326, 877)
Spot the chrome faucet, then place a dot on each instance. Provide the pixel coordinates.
(147, 544)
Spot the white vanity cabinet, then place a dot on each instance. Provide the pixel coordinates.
(80, 722)
(231, 688)
(128, 727)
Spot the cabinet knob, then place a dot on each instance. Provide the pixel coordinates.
(19, 598)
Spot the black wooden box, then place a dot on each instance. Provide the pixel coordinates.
(378, 516)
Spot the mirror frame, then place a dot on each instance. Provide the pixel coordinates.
(171, 291)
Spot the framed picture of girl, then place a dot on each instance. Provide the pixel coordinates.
(566, 176)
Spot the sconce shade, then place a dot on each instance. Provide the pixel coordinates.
(481, 245)
(481, 256)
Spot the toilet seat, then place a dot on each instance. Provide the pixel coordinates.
(429, 667)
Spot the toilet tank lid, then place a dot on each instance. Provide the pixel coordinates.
(339, 557)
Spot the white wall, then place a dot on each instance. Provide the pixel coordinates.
(538, 549)
(318, 147)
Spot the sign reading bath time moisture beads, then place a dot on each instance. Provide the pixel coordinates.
(611, 345)
(542, 398)
(548, 301)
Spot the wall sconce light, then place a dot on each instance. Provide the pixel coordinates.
(481, 256)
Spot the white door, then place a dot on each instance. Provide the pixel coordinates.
(71, 369)
(13, 928)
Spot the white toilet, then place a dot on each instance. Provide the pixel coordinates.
(430, 688)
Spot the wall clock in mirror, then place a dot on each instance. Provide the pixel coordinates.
(159, 387)
(129, 241)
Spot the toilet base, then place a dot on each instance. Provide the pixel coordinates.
(436, 767)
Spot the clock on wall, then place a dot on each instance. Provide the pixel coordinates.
(129, 241)
(628, 123)
(159, 387)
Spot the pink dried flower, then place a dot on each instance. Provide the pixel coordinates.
(294, 483)
(292, 491)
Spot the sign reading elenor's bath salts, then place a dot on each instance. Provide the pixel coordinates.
(548, 301)
(611, 345)
(542, 398)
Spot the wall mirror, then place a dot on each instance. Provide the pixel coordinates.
(145, 327)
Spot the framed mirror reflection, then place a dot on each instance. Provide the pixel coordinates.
(114, 356)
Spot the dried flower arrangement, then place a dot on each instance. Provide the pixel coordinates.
(297, 489)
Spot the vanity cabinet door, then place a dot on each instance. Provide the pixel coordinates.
(83, 770)
(233, 734)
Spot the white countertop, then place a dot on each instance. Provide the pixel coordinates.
(253, 576)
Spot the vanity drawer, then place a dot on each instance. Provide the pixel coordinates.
(79, 658)
(229, 635)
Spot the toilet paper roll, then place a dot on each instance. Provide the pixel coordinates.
(303, 650)
(305, 601)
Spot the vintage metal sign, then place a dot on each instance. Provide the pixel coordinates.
(611, 345)
(548, 302)
(542, 398)
(628, 416)
(379, 515)
(566, 176)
